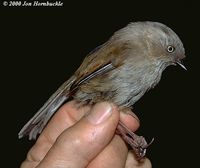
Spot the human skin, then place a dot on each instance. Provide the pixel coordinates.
(84, 136)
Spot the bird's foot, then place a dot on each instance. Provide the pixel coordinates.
(138, 143)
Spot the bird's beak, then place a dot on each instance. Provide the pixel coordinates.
(179, 62)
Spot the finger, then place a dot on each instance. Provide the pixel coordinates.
(114, 155)
(78, 145)
(132, 162)
(130, 120)
(66, 116)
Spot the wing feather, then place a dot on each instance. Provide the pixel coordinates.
(37, 123)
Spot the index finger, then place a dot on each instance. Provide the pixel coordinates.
(66, 116)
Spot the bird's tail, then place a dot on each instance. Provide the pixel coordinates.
(37, 123)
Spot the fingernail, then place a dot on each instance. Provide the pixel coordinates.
(134, 116)
(128, 112)
(100, 113)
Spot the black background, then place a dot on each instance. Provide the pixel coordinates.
(42, 46)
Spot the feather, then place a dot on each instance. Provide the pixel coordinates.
(37, 123)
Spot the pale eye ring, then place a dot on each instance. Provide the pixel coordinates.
(170, 48)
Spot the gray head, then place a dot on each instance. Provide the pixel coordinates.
(161, 42)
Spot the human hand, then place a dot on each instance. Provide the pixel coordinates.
(84, 137)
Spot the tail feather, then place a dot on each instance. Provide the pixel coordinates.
(37, 123)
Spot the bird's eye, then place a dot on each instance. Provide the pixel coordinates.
(170, 49)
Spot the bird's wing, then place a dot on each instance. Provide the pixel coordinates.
(97, 72)
(101, 60)
(96, 63)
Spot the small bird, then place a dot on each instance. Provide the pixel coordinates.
(120, 71)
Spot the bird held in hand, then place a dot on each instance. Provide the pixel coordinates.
(119, 71)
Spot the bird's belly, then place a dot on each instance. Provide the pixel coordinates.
(122, 90)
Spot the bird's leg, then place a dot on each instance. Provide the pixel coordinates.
(138, 143)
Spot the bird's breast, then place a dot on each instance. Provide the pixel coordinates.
(123, 86)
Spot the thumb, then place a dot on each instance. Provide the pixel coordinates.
(79, 144)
